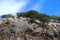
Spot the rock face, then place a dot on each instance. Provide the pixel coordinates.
(10, 31)
(15, 30)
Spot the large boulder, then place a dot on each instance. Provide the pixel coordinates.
(11, 20)
(40, 29)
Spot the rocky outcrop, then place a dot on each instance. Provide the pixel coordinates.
(16, 30)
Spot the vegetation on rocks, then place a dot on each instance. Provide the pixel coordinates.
(25, 27)
(7, 16)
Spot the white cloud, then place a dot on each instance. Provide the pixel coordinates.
(11, 6)
(38, 5)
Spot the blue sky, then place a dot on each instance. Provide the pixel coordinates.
(49, 7)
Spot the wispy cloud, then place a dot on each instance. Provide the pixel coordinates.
(14, 6)
(38, 5)
(11, 6)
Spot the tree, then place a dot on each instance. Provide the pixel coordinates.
(59, 18)
(32, 14)
(44, 19)
(7, 16)
(20, 14)
(54, 17)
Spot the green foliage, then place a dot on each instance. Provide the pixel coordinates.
(30, 14)
(20, 14)
(54, 17)
(45, 18)
(59, 18)
(33, 14)
(7, 16)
